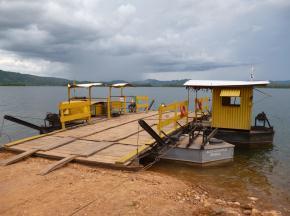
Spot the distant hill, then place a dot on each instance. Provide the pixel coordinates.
(159, 83)
(280, 84)
(12, 78)
(19, 79)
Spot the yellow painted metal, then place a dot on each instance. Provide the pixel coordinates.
(99, 109)
(124, 105)
(74, 110)
(109, 103)
(230, 93)
(201, 105)
(142, 102)
(172, 113)
(116, 106)
(233, 117)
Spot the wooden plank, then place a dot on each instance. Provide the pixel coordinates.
(82, 148)
(116, 134)
(56, 145)
(18, 157)
(58, 164)
(63, 145)
(89, 130)
(24, 140)
(31, 138)
(132, 154)
(45, 143)
(116, 150)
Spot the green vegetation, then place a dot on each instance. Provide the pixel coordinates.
(280, 84)
(18, 79)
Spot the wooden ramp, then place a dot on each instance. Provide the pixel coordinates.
(114, 142)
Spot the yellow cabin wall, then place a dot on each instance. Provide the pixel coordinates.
(233, 117)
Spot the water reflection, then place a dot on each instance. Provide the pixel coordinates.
(248, 175)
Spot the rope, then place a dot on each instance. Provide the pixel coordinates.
(262, 99)
(269, 95)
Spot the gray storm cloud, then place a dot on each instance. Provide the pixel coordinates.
(103, 40)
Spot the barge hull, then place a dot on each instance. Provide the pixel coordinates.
(217, 154)
(255, 138)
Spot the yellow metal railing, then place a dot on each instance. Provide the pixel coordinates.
(202, 105)
(116, 105)
(74, 110)
(172, 113)
(142, 102)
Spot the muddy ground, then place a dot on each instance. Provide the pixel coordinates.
(82, 190)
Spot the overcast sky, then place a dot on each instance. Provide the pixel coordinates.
(133, 40)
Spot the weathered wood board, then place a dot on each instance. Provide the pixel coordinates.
(113, 142)
(100, 142)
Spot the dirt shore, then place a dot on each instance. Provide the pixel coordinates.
(81, 190)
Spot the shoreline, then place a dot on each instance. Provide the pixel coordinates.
(142, 86)
(82, 190)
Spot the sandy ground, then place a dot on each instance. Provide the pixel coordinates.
(82, 190)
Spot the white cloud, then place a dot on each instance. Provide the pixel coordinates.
(177, 36)
(15, 63)
(126, 9)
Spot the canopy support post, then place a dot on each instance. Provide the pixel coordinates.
(109, 103)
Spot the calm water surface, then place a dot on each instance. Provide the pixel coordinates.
(261, 173)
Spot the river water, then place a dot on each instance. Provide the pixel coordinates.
(263, 173)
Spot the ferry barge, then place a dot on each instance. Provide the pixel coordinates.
(122, 132)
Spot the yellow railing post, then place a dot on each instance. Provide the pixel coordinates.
(108, 108)
(124, 104)
(175, 116)
(140, 105)
(109, 103)
(159, 119)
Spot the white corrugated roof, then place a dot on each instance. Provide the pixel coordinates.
(119, 85)
(85, 85)
(221, 83)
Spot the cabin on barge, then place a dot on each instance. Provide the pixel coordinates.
(231, 111)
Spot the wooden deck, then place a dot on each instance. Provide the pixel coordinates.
(114, 142)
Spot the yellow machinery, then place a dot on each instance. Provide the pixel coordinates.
(83, 108)
(77, 108)
(74, 110)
